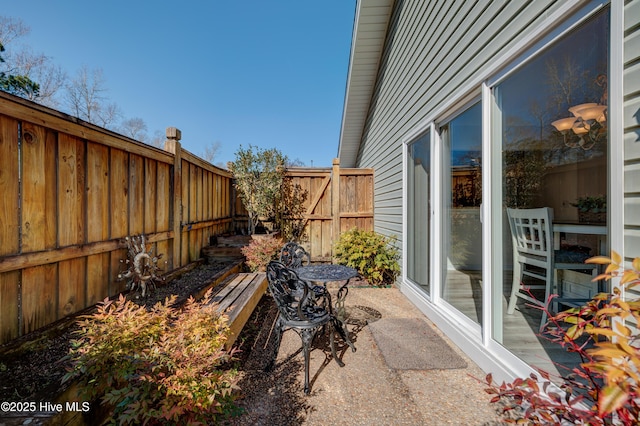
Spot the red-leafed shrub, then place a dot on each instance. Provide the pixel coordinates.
(604, 389)
(261, 251)
(157, 366)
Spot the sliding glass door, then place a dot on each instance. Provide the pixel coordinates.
(462, 196)
(550, 130)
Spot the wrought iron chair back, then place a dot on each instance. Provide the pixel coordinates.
(293, 255)
(299, 311)
(292, 295)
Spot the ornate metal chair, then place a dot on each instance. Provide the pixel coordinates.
(293, 255)
(299, 311)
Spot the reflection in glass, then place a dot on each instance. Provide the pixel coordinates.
(551, 118)
(418, 172)
(462, 231)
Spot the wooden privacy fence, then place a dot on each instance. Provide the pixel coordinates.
(70, 192)
(337, 199)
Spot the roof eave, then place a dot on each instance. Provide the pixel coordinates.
(367, 42)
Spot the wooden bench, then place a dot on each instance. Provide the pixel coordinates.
(239, 298)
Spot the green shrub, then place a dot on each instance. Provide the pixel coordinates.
(374, 255)
(155, 366)
(261, 251)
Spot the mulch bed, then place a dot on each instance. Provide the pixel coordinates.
(31, 367)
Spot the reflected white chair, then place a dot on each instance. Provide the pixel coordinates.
(534, 256)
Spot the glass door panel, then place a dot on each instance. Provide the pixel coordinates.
(551, 130)
(418, 211)
(462, 196)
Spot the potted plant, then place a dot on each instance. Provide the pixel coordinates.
(258, 177)
(591, 209)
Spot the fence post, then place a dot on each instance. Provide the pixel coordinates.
(335, 205)
(172, 144)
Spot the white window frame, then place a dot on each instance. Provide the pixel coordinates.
(418, 132)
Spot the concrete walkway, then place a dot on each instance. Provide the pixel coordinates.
(367, 390)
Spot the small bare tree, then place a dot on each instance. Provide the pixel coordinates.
(158, 139)
(85, 98)
(51, 78)
(135, 128)
(211, 151)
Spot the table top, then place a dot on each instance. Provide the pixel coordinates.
(326, 273)
(580, 228)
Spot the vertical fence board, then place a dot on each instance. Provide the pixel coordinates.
(367, 195)
(163, 198)
(150, 194)
(199, 216)
(347, 196)
(119, 189)
(81, 194)
(212, 195)
(186, 176)
(9, 187)
(71, 295)
(9, 301)
(218, 196)
(163, 208)
(33, 188)
(39, 297)
(136, 191)
(97, 277)
(98, 217)
(51, 192)
(119, 198)
(220, 202)
(69, 205)
(191, 193)
(97, 192)
(38, 291)
(198, 187)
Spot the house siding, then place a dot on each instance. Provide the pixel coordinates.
(631, 108)
(419, 73)
(435, 58)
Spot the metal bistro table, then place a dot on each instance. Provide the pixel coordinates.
(327, 273)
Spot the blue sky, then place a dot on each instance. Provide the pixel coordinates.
(270, 74)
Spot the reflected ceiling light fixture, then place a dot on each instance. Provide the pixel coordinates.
(589, 121)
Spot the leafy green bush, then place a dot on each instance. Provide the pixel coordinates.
(155, 366)
(258, 175)
(374, 255)
(261, 251)
(604, 388)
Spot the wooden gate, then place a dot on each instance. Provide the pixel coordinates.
(338, 199)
